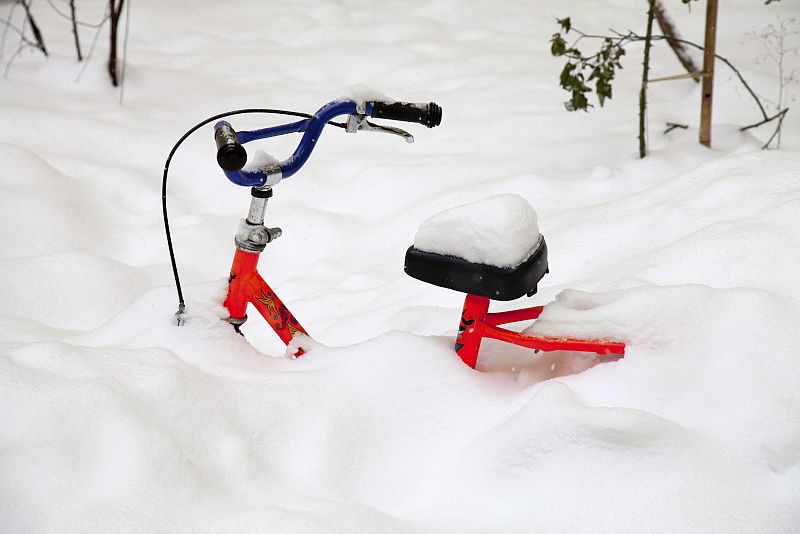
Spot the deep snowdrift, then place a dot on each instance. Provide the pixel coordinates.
(115, 420)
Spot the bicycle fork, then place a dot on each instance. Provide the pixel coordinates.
(246, 285)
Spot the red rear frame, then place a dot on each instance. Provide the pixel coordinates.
(477, 323)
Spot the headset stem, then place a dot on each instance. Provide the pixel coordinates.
(258, 207)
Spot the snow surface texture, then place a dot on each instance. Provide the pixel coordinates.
(114, 420)
(499, 230)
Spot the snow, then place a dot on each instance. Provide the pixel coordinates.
(362, 94)
(260, 161)
(500, 230)
(115, 420)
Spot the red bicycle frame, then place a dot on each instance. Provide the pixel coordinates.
(246, 286)
(477, 323)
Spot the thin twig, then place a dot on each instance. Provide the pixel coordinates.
(57, 10)
(125, 51)
(674, 125)
(91, 49)
(74, 19)
(780, 114)
(19, 32)
(777, 130)
(34, 28)
(23, 41)
(68, 17)
(7, 24)
(582, 35)
(16, 53)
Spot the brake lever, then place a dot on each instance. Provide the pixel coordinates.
(359, 122)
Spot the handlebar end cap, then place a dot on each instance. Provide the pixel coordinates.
(434, 115)
(232, 157)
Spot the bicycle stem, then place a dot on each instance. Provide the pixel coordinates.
(258, 208)
(253, 236)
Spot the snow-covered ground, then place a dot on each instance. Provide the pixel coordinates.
(115, 420)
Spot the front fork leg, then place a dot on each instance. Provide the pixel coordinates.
(246, 286)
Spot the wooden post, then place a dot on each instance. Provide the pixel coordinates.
(708, 71)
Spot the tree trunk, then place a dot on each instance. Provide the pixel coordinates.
(115, 10)
(646, 67)
(671, 34)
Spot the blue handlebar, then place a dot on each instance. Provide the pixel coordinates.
(311, 128)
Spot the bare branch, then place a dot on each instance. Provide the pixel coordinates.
(778, 129)
(92, 47)
(34, 28)
(74, 19)
(674, 125)
(671, 35)
(125, 50)
(19, 32)
(78, 21)
(780, 115)
(6, 25)
(14, 56)
(115, 9)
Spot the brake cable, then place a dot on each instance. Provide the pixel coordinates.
(181, 304)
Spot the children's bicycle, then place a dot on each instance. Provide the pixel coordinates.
(480, 281)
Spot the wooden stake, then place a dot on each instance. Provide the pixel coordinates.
(708, 69)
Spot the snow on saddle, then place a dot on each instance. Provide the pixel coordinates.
(490, 248)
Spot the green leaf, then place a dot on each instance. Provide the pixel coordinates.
(567, 80)
(579, 101)
(603, 91)
(558, 46)
(566, 24)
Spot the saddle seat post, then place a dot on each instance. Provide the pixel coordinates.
(470, 329)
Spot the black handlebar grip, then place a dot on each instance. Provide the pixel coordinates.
(428, 114)
(231, 156)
